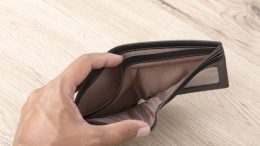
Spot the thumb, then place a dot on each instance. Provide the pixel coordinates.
(116, 133)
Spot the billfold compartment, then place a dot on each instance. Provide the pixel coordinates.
(150, 76)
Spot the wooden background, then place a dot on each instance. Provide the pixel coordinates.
(39, 38)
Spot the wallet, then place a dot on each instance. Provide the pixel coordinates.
(150, 76)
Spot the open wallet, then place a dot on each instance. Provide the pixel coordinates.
(150, 76)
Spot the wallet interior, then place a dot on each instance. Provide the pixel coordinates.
(145, 80)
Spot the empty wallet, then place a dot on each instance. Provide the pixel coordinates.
(150, 76)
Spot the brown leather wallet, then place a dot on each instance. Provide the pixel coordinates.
(150, 76)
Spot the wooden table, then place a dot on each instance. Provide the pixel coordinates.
(39, 38)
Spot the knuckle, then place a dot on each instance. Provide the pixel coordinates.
(89, 56)
(35, 92)
(83, 56)
(86, 56)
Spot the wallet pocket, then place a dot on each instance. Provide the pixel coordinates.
(154, 74)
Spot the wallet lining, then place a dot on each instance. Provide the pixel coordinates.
(146, 110)
(134, 90)
(157, 86)
(111, 90)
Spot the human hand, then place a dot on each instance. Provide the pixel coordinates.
(50, 117)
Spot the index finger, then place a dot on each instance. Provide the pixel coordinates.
(76, 72)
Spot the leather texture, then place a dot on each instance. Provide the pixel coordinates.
(150, 76)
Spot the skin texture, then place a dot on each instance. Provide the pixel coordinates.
(50, 117)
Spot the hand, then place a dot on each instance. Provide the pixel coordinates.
(50, 117)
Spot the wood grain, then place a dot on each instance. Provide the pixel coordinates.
(40, 38)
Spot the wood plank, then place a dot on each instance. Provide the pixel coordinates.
(39, 38)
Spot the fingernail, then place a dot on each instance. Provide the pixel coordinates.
(143, 131)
